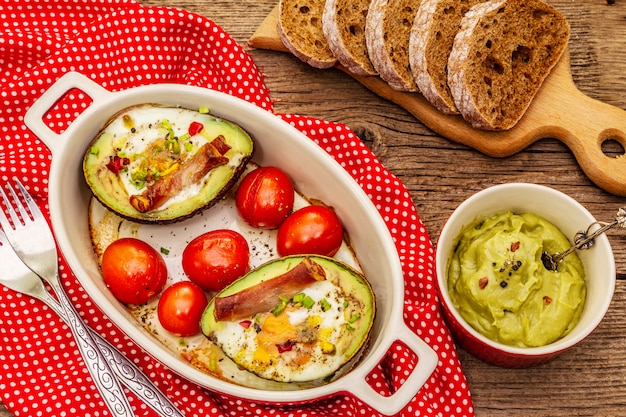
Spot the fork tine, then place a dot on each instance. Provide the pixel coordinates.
(18, 206)
(30, 202)
(4, 221)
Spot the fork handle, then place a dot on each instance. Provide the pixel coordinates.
(125, 369)
(135, 379)
(101, 373)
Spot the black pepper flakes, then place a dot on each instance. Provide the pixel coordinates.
(503, 284)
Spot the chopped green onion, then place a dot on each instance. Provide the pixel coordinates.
(354, 318)
(94, 150)
(173, 145)
(165, 251)
(308, 302)
(303, 300)
(298, 298)
(325, 304)
(203, 110)
(279, 308)
(348, 327)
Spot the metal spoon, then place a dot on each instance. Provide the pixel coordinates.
(583, 240)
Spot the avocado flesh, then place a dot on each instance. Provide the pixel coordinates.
(360, 302)
(150, 122)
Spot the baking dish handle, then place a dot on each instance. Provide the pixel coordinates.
(427, 362)
(35, 114)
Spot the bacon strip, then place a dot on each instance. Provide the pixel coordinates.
(209, 156)
(263, 297)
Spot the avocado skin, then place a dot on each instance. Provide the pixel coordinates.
(106, 186)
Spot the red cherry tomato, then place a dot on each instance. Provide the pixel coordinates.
(133, 270)
(217, 258)
(310, 230)
(265, 197)
(180, 308)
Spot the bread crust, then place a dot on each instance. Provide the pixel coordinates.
(392, 65)
(432, 35)
(475, 98)
(345, 32)
(305, 40)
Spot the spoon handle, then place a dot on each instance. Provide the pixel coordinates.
(586, 239)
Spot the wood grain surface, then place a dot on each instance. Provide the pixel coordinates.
(590, 379)
(559, 110)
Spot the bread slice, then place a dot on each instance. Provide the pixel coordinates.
(344, 26)
(502, 54)
(432, 35)
(300, 29)
(387, 32)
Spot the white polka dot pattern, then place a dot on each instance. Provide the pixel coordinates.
(120, 44)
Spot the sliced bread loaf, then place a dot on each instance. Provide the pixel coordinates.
(387, 31)
(432, 35)
(344, 27)
(300, 29)
(502, 54)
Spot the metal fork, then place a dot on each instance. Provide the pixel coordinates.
(18, 277)
(34, 244)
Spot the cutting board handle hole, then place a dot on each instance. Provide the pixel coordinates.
(613, 147)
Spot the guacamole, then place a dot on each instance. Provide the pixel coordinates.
(499, 285)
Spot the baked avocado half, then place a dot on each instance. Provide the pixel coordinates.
(157, 164)
(294, 319)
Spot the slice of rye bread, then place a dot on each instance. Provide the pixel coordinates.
(300, 29)
(387, 31)
(432, 35)
(344, 26)
(502, 54)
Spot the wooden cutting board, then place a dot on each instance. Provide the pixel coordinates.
(559, 110)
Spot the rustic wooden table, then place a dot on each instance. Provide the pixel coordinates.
(591, 378)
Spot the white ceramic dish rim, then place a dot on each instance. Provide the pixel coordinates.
(523, 197)
(68, 198)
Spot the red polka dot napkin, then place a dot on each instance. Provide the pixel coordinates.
(120, 44)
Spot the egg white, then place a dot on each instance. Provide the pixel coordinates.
(241, 344)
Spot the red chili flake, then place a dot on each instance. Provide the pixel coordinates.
(117, 164)
(285, 346)
(482, 283)
(547, 300)
(245, 323)
(195, 128)
(515, 246)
